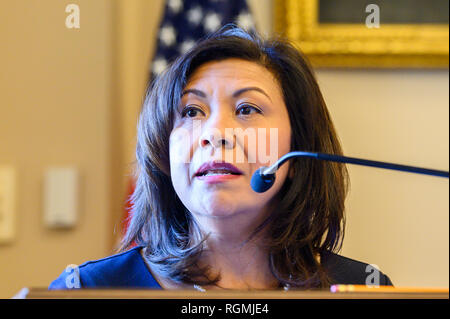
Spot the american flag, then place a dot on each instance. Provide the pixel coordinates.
(185, 22)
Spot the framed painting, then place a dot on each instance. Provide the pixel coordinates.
(367, 33)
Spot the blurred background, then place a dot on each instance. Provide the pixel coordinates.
(70, 98)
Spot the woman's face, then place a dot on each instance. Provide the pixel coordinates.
(231, 111)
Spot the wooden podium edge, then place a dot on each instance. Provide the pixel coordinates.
(44, 293)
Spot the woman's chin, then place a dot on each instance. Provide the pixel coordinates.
(218, 210)
(218, 207)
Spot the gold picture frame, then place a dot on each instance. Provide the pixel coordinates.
(356, 45)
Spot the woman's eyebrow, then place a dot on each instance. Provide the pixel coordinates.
(194, 91)
(252, 88)
(235, 94)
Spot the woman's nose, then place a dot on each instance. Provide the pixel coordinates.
(217, 138)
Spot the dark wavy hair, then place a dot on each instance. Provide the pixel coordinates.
(309, 220)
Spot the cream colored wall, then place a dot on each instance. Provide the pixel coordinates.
(83, 93)
(396, 220)
(55, 109)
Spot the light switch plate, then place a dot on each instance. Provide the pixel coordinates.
(60, 197)
(7, 203)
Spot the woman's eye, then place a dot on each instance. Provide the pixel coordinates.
(247, 109)
(191, 112)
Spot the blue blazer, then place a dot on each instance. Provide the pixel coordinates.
(129, 270)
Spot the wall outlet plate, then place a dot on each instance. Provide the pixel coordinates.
(7, 203)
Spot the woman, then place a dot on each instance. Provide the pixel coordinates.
(208, 122)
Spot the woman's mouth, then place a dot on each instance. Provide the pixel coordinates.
(217, 172)
(213, 177)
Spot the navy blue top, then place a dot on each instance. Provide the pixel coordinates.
(129, 270)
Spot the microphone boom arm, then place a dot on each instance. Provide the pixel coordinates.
(352, 160)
